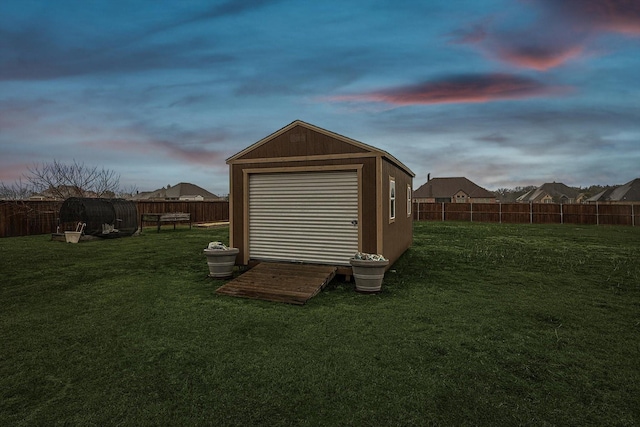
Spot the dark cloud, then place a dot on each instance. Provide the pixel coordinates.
(486, 170)
(188, 100)
(308, 73)
(562, 32)
(19, 113)
(495, 138)
(542, 45)
(475, 34)
(620, 16)
(190, 154)
(519, 155)
(471, 88)
(231, 8)
(228, 8)
(554, 142)
(557, 135)
(195, 147)
(34, 54)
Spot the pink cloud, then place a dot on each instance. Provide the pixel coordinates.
(193, 155)
(620, 16)
(12, 172)
(459, 89)
(560, 35)
(537, 58)
(190, 154)
(542, 46)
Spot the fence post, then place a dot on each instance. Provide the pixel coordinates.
(500, 212)
(597, 214)
(561, 217)
(443, 211)
(633, 216)
(530, 212)
(471, 211)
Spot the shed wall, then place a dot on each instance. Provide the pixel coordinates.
(301, 142)
(397, 235)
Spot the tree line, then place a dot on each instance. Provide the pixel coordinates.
(57, 180)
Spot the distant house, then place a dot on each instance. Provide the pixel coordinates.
(452, 190)
(627, 193)
(182, 191)
(63, 192)
(551, 192)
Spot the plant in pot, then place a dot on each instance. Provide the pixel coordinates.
(220, 259)
(368, 270)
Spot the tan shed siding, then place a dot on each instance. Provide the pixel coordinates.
(301, 141)
(369, 225)
(304, 216)
(236, 207)
(398, 234)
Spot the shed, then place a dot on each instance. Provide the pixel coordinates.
(103, 217)
(308, 195)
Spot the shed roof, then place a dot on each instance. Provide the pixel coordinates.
(448, 187)
(356, 144)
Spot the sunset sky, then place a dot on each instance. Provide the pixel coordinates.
(505, 92)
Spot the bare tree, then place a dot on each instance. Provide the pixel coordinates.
(19, 190)
(128, 191)
(57, 180)
(60, 180)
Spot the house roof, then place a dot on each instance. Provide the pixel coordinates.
(556, 190)
(183, 189)
(448, 187)
(64, 192)
(629, 192)
(334, 135)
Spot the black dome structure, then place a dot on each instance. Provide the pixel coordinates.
(103, 217)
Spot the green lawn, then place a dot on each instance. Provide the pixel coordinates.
(478, 324)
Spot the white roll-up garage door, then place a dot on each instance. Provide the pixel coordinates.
(303, 216)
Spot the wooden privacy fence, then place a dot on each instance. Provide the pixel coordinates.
(28, 217)
(530, 213)
(23, 218)
(201, 211)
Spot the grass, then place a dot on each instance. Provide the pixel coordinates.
(478, 324)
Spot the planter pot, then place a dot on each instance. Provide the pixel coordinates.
(72, 236)
(368, 274)
(221, 262)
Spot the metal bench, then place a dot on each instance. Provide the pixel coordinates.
(160, 218)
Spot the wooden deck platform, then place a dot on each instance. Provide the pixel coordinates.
(280, 282)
